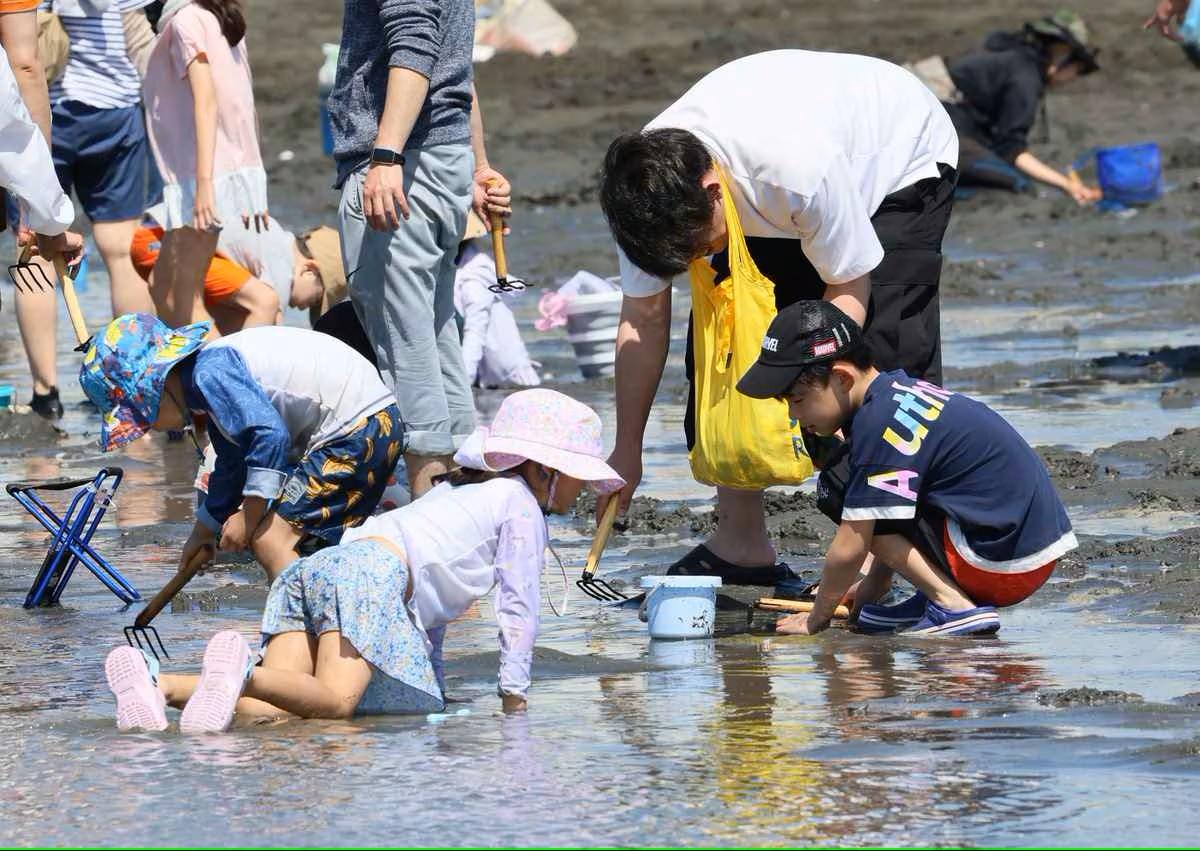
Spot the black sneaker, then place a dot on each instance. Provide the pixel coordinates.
(47, 405)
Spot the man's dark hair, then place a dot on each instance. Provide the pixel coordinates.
(650, 191)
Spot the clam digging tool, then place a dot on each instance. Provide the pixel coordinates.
(504, 284)
(28, 276)
(141, 630)
(595, 588)
(772, 604)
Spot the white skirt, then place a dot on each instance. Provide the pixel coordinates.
(236, 194)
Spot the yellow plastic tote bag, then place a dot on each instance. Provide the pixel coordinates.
(740, 442)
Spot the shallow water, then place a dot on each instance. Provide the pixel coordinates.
(744, 739)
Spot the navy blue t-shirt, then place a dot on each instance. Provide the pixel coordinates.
(914, 444)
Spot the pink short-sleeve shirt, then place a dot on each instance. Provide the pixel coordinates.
(190, 33)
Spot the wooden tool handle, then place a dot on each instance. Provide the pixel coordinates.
(773, 604)
(202, 557)
(603, 530)
(68, 288)
(498, 247)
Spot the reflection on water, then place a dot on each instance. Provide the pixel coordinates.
(746, 739)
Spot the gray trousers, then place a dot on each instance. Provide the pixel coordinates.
(402, 285)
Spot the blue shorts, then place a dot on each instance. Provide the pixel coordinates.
(337, 485)
(104, 156)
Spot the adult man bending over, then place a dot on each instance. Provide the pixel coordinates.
(842, 172)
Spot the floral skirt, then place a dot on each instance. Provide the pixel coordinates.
(358, 589)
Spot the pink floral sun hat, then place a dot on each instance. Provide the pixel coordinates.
(547, 427)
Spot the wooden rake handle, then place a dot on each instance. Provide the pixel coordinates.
(773, 604)
(603, 530)
(73, 310)
(202, 557)
(497, 223)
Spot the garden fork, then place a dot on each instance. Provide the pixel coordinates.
(29, 277)
(504, 284)
(595, 588)
(141, 630)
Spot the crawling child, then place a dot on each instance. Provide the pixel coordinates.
(305, 432)
(940, 488)
(358, 628)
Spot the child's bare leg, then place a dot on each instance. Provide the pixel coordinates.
(875, 583)
(341, 677)
(275, 545)
(899, 553)
(178, 287)
(287, 651)
(178, 689)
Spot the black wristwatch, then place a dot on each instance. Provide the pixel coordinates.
(386, 156)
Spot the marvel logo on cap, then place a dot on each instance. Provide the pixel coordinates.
(770, 344)
(821, 348)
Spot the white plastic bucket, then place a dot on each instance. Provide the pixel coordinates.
(680, 606)
(592, 331)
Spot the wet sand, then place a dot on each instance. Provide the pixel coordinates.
(1080, 719)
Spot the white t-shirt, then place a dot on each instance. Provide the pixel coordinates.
(812, 143)
(460, 542)
(267, 255)
(318, 384)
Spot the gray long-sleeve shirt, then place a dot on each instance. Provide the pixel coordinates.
(433, 38)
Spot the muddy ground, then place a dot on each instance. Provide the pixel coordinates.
(550, 120)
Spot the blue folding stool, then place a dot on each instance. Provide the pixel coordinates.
(72, 535)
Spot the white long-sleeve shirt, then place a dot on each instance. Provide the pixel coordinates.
(460, 542)
(493, 351)
(26, 169)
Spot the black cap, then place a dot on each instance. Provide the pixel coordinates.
(804, 333)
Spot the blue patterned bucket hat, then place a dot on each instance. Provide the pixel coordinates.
(125, 368)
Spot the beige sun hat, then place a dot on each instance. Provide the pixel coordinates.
(323, 246)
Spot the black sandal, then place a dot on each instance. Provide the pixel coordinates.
(701, 562)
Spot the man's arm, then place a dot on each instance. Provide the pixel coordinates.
(26, 169)
(383, 190)
(493, 193)
(851, 297)
(643, 339)
(18, 37)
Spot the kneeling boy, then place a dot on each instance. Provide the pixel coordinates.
(306, 433)
(940, 488)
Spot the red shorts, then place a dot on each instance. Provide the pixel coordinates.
(223, 279)
(993, 587)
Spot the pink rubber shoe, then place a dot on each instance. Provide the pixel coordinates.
(140, 704)
(222, 678)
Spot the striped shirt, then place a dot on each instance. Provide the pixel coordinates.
(98, 70)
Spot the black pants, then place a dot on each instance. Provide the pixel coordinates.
(903, 325)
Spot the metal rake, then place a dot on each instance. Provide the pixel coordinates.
(504, 284)
(595, 588)
(30, 277)
(140, 630)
